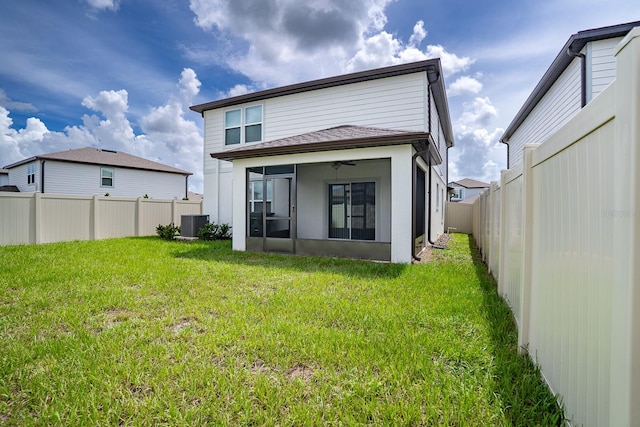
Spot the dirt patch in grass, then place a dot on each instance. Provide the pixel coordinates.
(300, 371)
(441, 243)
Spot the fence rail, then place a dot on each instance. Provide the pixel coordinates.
(46, 218)
(561, 234)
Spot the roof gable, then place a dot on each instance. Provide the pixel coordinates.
(97, 156)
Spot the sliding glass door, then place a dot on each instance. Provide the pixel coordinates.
(352, 211)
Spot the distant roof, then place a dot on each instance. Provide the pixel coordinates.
(98, 156)
(336, 138)
(430, 66)
(9, 188)
(575, 44)
(470, 183)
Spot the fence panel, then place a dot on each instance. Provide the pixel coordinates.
(511, 286)
(17, 214)
(459, 216)
(64, 218)
(152, 213)
(46, 218)
(116, 217)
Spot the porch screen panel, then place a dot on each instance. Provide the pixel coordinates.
(338, 211)
(420, 203)
(363, 211)
(258, 201)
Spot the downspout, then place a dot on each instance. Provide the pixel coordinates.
(429, 167)
(186, 186)
(583, 75)
(42, 176)
(414, 170)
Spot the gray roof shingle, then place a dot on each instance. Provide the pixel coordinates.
(471, 183)
(339, 137)
(97, 156)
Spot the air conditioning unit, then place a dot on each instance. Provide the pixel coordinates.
(191, 224)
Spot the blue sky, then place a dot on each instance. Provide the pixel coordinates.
(121, 74)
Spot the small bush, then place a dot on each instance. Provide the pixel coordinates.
(213, 231)
(168, 232)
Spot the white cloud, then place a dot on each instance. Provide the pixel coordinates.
(15, 105)
(464, 85)
(168, 137)
(238, 90)
(419, 33)
(478, 154)
(104, 4)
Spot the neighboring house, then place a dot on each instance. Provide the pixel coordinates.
(95, 171)
(466, 188)
(582, 69)
(352, 166)
(4, 182)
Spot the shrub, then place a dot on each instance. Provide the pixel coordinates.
(167, 232)
(213, 231)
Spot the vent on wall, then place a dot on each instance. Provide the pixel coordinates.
(191, 224)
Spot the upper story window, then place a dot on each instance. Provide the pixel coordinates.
(106, 177)
(31, 173)
(243, 125)
(458, 194)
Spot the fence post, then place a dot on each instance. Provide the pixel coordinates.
(625, 295)
(527, 248)
(37, 206)
(174, 211)
(493, 212)
(94, 220)
(138, 219)
(503, 228)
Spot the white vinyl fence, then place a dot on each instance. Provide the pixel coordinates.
(561, 235)
(458, 217)
(45, 218)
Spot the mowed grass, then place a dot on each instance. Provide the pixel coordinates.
(146, 332)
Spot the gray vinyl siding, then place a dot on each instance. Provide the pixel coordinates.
(602, 65)
(556, 107)
(85, 179)
(18, 177)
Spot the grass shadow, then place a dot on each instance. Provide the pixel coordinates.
(220, 251)
(519, 382)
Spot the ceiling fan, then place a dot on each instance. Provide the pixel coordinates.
(336, 165)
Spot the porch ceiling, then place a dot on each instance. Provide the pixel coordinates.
(337, 138)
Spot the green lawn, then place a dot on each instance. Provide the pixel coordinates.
(141, 331)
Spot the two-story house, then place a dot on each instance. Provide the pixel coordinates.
(582, 69)
(466, 188)
(95, 171)
(353, 165)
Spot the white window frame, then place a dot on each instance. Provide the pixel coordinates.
(458, 193)
(102, 177)
(31, 173)
(244, 124)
